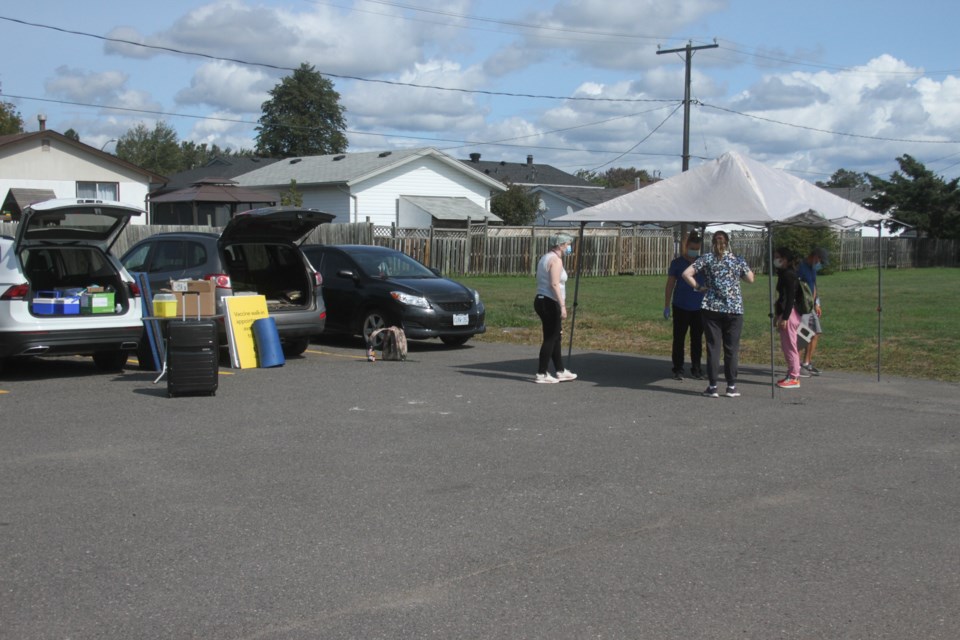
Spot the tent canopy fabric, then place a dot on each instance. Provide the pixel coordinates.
(730, 190)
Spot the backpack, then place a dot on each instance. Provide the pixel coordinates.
(806, 302)
(393, 345)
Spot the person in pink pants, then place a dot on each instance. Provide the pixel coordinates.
(787, 316)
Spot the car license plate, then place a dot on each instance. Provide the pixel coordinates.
(460, 319)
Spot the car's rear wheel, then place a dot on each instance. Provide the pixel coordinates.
(296, 347)
(454, 341)
(110, 361)
(373, 320)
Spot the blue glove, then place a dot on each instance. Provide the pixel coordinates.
(666, 313)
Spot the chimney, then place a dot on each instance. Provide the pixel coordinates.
(43, 121)
(474, 157)
(529, 161)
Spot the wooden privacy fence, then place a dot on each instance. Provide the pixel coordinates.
(495, 250)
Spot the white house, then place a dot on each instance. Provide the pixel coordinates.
(408, 188)
(45, 164)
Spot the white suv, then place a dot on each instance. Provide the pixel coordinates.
(61, 290)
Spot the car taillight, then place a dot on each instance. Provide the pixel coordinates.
(317, 279)
(16, 292)
(323, 315)
(134, 289)
(221, 280)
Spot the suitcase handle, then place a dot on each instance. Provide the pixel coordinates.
(183, 297)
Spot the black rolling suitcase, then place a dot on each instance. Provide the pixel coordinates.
(193, 356)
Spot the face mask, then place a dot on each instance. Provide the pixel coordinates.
(693, 253)
(778, 263)
(568, 250)
(817, 267)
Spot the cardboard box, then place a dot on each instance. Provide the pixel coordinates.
(93, 302)
(206, 298)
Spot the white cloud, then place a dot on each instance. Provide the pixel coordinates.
(85, 86)
(226, 85)
(382, 106)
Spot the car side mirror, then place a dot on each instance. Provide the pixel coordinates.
(436, 272)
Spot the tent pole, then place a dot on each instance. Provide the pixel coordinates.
(773, 374)
(879, 293)
(576, 290)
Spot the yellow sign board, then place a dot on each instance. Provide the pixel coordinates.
(241, 312)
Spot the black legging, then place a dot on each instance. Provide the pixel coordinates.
(549, 311)
(684, 320)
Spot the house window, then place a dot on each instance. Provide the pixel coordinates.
(98, 190)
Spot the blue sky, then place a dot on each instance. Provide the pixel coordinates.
(809, 87)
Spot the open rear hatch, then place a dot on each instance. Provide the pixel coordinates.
(260, 253)
(63, 247)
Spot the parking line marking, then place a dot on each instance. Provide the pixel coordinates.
(336, 355)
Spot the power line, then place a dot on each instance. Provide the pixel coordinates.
(645, 138)
(831, 132)
(267, 65)
(460, 143)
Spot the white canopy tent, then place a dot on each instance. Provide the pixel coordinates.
(732, 190)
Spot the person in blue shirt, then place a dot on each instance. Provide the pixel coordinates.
(807, 271)
(722, 309)
(683, 303)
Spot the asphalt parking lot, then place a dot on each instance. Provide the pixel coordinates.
(450, 497)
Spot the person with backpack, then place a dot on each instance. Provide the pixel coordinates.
(807, 272)
(787, 314)
(722, 309)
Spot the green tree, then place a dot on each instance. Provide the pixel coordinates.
(303, 117)
(844, 179)
(917, 197)
(515, 205)
(156, 150)
(10, 119)
(615, 177)
(73, 135)
(291, 197)
(802, 240)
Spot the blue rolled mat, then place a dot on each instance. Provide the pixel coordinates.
(267, 340)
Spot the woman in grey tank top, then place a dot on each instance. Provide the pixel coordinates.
(551, 305)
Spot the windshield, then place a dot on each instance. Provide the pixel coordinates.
(391, 265)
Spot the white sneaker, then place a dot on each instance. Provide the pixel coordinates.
(565, 375)
(545, 378)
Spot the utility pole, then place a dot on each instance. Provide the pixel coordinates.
(689, 49)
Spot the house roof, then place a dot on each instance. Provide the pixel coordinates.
(217, 190)
(347, 168)
(225, 167)
(18, 199)
(853, 194)
(20, 138)
(584, 196)
(451, 208)
(525, 173)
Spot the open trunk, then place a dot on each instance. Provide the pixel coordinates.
(273, 270)
(59, 271)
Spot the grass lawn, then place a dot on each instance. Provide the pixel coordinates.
(921, 319)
